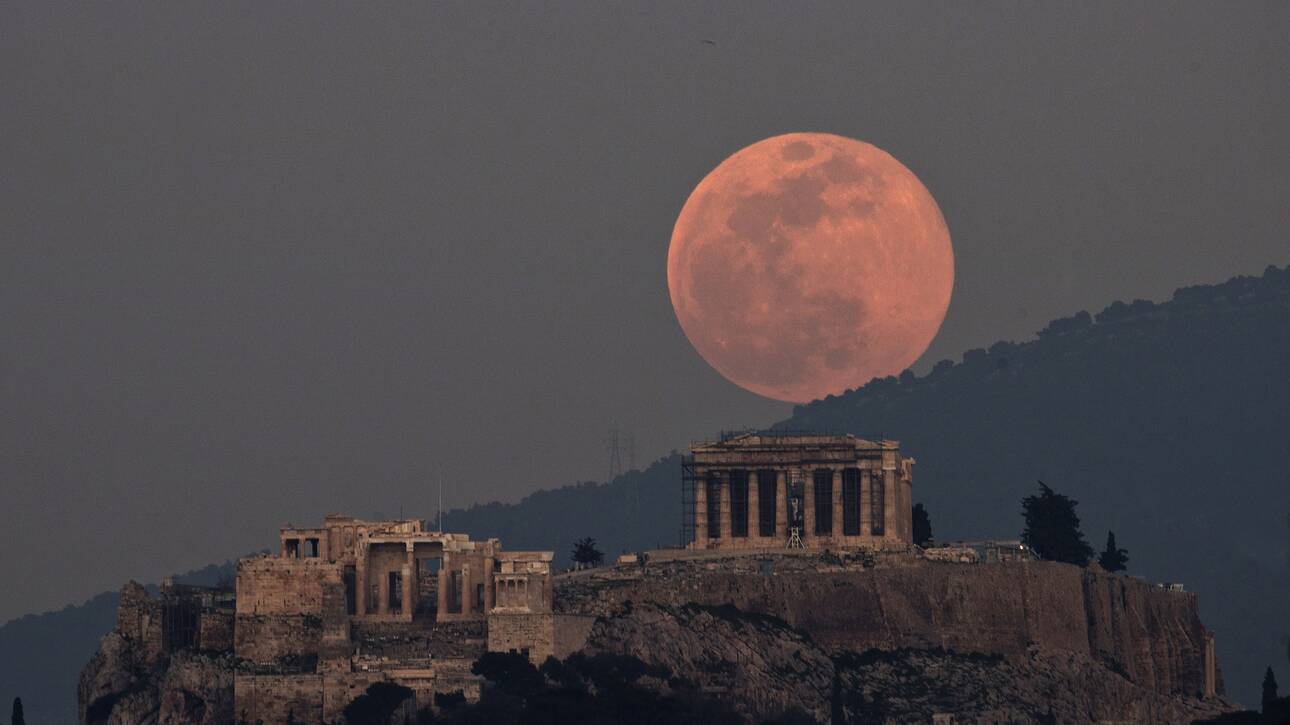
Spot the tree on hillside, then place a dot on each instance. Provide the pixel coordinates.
(1052, 527)
(922, 526)
(585, 553)
(19, 719)
(1113, 558)
(1269, 689)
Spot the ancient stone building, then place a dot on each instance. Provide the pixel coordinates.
(353, 602)
(179, 618)
(398, 571)
(775, 490)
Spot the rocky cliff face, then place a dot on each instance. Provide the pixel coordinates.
(892, 640)
(122, 685)
(139, 676)
(766, 667)
(1152, 636)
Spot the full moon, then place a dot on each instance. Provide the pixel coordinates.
(807, 264)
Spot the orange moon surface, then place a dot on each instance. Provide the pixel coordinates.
(807, 264)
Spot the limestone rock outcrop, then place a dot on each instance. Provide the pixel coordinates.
(122, 685)
(148, 672)
(766, 668)
(841, 638)
(1154, 636)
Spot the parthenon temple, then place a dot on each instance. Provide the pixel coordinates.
(808, 490)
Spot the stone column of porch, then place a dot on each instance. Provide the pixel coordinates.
(360, 579)
(866, 503)
(725, 505)
(781, 507)
(409, 591)
(490, 584)
(467, 589)
(889, 525)
(444, 582)
(700, 512)
(808, 508)
(837, 504)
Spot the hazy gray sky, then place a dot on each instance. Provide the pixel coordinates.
(262, 261)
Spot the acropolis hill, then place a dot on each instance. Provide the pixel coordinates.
(798, 587)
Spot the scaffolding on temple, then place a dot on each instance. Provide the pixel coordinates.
(689, 484)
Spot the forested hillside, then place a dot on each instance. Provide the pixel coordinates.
(1170, 423)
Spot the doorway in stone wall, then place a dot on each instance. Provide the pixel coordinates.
(427, 588)
(396, 592)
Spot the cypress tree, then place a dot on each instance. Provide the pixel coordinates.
(1113, 558)
(922, 526)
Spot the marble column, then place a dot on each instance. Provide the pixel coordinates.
(409, 581)
(490, 585)
(444, 582)
(360, 579)
(700, 512)
(889, 505)
(725, 505)
(866, 504)
(808, 507)
(781, 506)
(837, 504)
(754, 509)
(467, 588)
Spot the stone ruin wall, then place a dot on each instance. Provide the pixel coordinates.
(270, 698)
(542, 634)
(138, 618)
(215, 632)
(290, 607)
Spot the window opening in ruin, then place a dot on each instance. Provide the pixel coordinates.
(311, 548)
(479, 597)
(714, 506)
(293, 548)
(739, 503)
(851, 501)
(877, 503)
(349, 578)
(454, 599)
(767, 490)
(396, 592)
(373, 598)
(823, 502)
